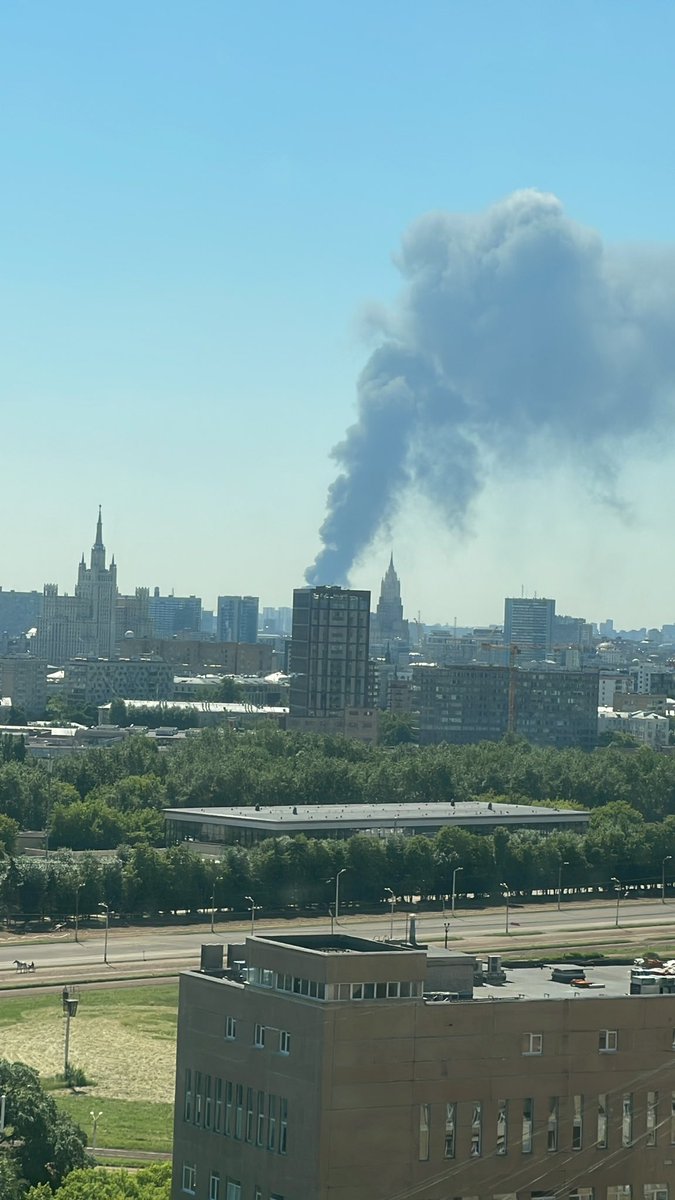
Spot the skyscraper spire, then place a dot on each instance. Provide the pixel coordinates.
(99, 531)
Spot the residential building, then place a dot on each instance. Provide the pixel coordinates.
(329, 651)
(24, 680)
(132, 616)
(324, 1067)
(463, 704)
(84, 623)
(650, 728)
(174, 616)
(98, 680)
(653, 679)
(195, 657)
(612, 683)
(19, 612)
(528, 624)
(237, 619)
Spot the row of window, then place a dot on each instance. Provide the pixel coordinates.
(245, 1114)
(617, 1191)
(231, 1190)
(281, 982)
(654, 1130)
(259, 1035)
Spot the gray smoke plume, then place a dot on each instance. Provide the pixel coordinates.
(514, 326)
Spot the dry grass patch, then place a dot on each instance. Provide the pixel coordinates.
(124, 1040)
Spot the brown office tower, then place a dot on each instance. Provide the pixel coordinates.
(329, 651)
(337, 1068)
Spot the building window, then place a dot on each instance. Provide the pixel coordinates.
(608, 1041)
(259, 1036)
(477, 1130)
(249, 1114)
(619, 1191)
(627, 1119)
(283, 1126)
(238, 1111)
(257, 1193)
(190, 1178)
(198, 1097)
(652, 1117)
(533, 1043)
(228, 1108)
(424, 1133)
(552, 1124)
(230, 1029)
(214, 1186)
(187, 1103)
(208, 1108)
(655, 1191)
(450, 1130)
(272, 1123)
(577, 1122)
(502, 1126)
(260, 1124)
(233, 1190)
(581, 1193)
(602, 1121)
(218, 1113)
(528, 1115)
(284, 1041)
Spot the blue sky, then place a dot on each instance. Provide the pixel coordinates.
(197, 202)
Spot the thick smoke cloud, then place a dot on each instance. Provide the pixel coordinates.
(516, 328)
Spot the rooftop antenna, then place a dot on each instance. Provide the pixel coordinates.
(522, 591)
(455, 628)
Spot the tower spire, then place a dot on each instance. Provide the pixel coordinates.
(99, 530)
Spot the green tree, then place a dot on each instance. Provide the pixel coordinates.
(46, 1142)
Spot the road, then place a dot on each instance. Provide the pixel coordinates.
(576, 924)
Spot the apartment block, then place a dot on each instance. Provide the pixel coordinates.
(338, 1068)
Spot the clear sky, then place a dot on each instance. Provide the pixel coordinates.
(198, 201)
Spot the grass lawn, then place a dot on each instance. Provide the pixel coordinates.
(123, 1124)
(124, 1039)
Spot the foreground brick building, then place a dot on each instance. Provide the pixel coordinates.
(336, 1068)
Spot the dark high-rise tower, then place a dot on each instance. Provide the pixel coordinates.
(329, 651)
(390, 626)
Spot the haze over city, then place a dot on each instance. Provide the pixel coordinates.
(232, 236)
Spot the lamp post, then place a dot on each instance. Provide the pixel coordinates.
(3, 1098)
(668, 858)
(337, 892)
(454, 888)
(506, 901)
(562, 863)
(617, 884)
(252, 903)
(70, 1004)
(95, 1117)
(392, 901)
(107, 925)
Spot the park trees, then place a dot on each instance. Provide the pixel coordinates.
(45, 1143)
(150, 1183)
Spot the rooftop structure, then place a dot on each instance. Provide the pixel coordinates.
(333, 820)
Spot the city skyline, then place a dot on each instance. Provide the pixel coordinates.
(199, 265)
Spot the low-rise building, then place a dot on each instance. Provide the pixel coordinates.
(24, 680)
(98, 680)
(337, 1068)
(650, 728)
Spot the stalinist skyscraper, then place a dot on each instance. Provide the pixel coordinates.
(82, 625)
(389, 626)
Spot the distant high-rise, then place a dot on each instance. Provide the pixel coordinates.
(83, 624)
(329, 651)
(237, 619)
(528, 624)
(175, 616)
(389, 625)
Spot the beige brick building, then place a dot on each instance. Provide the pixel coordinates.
(326, 1068)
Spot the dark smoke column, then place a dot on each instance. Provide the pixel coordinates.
(517, 334)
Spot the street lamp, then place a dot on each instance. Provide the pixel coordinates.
(95, 1120)
(454, 887)
(3, 1099)
(617, 883)
(337, 892)
(563, 863)
(70, 1004)
(668, 858)
(252, 903)
(107, 925)
(392, 901)
(505, 886)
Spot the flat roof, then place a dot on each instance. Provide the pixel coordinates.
(285, 817)
(535, 983)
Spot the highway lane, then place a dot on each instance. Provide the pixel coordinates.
(133, 947)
